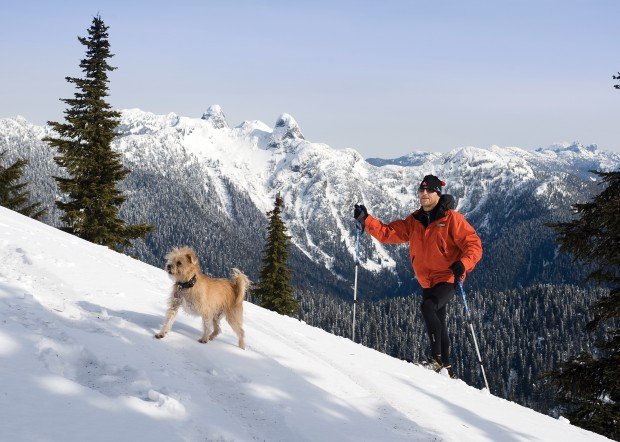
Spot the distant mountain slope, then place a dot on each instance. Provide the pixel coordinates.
(79, 362)
(206, 184)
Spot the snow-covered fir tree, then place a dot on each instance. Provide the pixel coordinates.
(274, 290)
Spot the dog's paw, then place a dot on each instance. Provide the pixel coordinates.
(159, 335)
(203, 340)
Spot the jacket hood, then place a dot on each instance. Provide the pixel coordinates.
(447, 202)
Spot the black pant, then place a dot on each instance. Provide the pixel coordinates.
(434, 301)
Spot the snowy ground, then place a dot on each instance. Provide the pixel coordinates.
(79, 362)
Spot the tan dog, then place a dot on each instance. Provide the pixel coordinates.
(203, 296)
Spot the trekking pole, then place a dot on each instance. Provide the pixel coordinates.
(358, 229)
(473, 335)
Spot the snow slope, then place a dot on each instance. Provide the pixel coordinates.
(79, 362)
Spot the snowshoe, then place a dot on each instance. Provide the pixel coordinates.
(450, 372)
(432, 364)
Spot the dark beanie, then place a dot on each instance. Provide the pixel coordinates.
(432, 183)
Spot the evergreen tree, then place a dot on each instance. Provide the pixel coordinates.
(14, 195)
(92, 200)
(589, 385)
(616, 77)
(274, 289)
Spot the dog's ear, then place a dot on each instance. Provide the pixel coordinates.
(190, 258)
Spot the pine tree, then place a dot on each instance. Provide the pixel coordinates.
(589, 385)
(274, 289)
(92, 200)
(14, 195)
(616, 77)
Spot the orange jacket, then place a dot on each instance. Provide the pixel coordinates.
(432, 249)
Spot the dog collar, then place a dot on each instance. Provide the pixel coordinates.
(184, 285)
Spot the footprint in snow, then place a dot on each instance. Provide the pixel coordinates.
(77, 364)
(164, 401)
(25, 259)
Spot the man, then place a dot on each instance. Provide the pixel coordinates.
(443, 247)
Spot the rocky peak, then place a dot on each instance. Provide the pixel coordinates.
(286, 128)
(215, 116)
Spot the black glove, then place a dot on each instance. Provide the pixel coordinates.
(458, 269)
(360, 213)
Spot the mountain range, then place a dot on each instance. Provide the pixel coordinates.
(208, 185)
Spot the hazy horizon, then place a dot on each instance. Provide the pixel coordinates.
(386, 79)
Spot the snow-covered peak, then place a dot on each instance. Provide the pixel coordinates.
(493, 162)
(19, 126)
(139, 122)
(286, 129)
(574, 147)
(473, 154)
(215, 116)
(410, 160)
(569, 151)
(251, 127)
(575, 156)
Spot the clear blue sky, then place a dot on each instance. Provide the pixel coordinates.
(384, 77)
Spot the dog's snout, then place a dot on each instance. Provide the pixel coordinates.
(169, 267)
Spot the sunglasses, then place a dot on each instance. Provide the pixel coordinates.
(424, 189)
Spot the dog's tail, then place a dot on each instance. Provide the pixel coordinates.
(241, 283)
